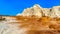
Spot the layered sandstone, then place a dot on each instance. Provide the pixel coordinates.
(38, 11)
(34, 20)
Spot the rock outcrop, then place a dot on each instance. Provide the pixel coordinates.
(38, 11)
(47, 21)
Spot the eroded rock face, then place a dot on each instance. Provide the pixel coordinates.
(38, 11)
(55, 11)
(29, 25)
(34, 20)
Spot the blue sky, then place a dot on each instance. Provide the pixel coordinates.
(12, 7)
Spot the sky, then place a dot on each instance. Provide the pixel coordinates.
(13, 7)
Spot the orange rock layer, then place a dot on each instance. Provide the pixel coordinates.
(34, 25)
(41, 25)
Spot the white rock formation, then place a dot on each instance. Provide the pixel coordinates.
(38, 11)
(55, 11)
